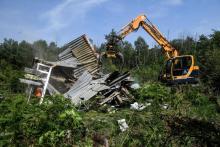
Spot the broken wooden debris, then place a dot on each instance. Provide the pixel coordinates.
(109, 98)
(30, 82)
(76, 75)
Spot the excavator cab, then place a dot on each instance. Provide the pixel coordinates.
(180, 70)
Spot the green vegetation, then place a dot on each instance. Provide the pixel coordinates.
(57, 123)
(54, 122)
(177, 116)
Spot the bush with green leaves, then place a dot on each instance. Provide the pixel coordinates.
(195, 95)
(154, 90)
(201, 106)
(9, 78)
(54, 122)
(144, 127)
(146, 74)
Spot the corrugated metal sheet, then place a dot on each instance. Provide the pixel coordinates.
(70, 62)
(81, 49)
(85, 88)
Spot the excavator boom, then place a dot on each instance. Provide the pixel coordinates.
(132, 26)
(142, 21)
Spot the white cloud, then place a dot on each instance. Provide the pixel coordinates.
(68, 12)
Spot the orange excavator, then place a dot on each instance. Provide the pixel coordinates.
(177, 69)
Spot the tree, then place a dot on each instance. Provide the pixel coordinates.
(40, 49)
(213, 56)
(113, 40)
(10, 53)
(141, 48)
(129, 55)
(155, 56)
(208, 54)
(26, 53)
(184, 46)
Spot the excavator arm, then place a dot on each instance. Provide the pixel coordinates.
(169, 50)
(131, 27)
(142, 21)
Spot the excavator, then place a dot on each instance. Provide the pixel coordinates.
(178, 69)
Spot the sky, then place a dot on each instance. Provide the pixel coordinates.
(64, 20)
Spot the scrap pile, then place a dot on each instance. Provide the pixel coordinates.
(118, 91)
(76, 75)
(110, 88)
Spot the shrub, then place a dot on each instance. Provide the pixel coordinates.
(52, 123)
(154, 91)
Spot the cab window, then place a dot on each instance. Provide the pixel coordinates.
(181, 65)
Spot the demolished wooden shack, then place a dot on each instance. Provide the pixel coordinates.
(76, 75)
